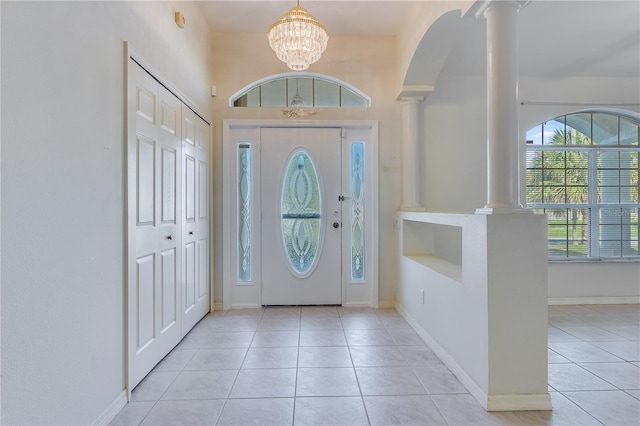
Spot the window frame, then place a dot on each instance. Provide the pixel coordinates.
(593, 206)
(342, 85)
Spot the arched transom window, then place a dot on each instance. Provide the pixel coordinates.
(300, 90)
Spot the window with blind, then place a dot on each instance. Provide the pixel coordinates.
(582, 171)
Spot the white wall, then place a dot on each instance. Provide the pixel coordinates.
(0, 226)
(63, 194)
(610, 282)
(572, 94)
(422, 69)
(454, 151)
(454, 128)
(471, 300)
(368, 63)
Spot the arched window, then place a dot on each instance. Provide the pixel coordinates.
(300, 90)
(582, 170)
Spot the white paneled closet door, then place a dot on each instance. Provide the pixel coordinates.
(195, 143)
(168, 223)
(155, 264)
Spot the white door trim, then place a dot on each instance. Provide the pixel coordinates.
(248, 294)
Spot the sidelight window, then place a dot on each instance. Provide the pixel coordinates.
(244, 212)
(357, 211)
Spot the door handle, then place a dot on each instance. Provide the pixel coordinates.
(336, 225)
(169, 237)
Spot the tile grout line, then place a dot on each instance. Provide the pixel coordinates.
(226, 399)
(295, 383)
(355, 373)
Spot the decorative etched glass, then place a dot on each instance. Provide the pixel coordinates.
(357, 211)
(244, 212)
(301, 213)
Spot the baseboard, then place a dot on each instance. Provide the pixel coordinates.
(357, 305)
(112, 410)
(386, 304)
(538, 402)
(382, 304)
(489, 402)
(597, 300)
(245, 306)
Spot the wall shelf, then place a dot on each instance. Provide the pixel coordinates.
(434, 240)
(439, 265)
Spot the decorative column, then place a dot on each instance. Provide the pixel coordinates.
(410, 157)
(502, 111)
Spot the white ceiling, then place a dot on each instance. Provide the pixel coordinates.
(556, 38)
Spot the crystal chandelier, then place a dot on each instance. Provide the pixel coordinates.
(298, 38)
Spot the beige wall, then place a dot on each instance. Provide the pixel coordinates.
(63, 193)
(368, 63)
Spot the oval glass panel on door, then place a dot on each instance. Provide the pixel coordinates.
(301, 213)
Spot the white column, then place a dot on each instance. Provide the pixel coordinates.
(410, 156)
(502, 111)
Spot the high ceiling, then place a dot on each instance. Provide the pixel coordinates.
(556, 38)
(339, 16)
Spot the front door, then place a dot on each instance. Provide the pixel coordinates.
(301, 180)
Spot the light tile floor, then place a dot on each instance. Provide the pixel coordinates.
(360, 366)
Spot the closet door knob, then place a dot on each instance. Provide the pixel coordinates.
(190, 232)
(169, 237)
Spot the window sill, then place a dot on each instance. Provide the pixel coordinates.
(598, 260)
